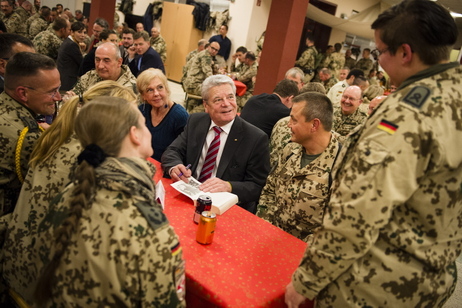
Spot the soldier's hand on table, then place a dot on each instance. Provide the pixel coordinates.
(180, 172)
(215, 185)
(292, 298)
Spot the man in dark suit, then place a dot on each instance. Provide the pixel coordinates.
(242, 162)
(146, 56)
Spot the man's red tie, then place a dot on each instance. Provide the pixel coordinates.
(211, 158)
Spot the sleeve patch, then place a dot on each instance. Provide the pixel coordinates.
(387, 126)
(417, 96)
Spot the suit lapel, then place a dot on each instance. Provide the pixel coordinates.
(198, 133)
(232, 143)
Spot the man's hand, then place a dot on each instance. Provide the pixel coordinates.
(44, 125)
(131, 52)
(292, 298)
(180, 172)
(215, 185)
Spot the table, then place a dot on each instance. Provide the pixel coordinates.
(248, 264)
(240, 88)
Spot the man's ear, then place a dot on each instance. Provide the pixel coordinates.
(2, 67)
(406, 53)
(21, 92)
(205, 105)
(134, 137)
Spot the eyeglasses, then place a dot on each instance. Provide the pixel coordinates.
(380, 52)
(215, 49)
(350, 98)
(52, 93)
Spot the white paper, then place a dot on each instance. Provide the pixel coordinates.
(160, 193)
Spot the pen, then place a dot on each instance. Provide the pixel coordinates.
(187, 168)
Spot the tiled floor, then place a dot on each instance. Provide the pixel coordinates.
(177, 95)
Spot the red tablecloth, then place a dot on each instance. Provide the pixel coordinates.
(248, 264)
(240, 88)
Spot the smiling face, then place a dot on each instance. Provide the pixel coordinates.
(351, 99)
(221, 104)
(156, 94)
(42, 92)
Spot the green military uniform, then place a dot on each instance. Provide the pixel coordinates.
(37, 25)
(123, 253)
(344, 124)
(190, 55)
(237, 69)
(391, 231)
(14, 117)
(307, 62)
(329, 83)
(336, 63)
(280, 137)
(294, 197)
(14, 24)
(246, 77)
(47, 43)
(22, 13)
(350, 63)
(160, 46)
(365, 65)
(91, 78)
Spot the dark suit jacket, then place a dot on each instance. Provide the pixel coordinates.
(244, 162)
(68, 62)
(264, 110)
(2, 85)
(149, 59)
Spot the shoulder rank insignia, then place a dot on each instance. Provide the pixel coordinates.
(417, 96)
(387, 126)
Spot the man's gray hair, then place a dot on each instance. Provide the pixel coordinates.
(294, 72)
(214, 81)
(117, 53)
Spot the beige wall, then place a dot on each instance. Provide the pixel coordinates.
(346, 7)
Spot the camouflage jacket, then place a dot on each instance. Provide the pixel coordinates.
(336, 63)
(344, 124)
(200, 67)
(190, 55)
(294, 198)
(308, 59)
(238, 68)
(350, 63)
(22, 13)
(280, 137)
(329, 83)
(160, 46)
(37, 25)
(391, 230)
(365, 65)
(47, 43)
(14, 24)
(246, 75)
(41, 185)
(14, 117)
(99, 268)
(91, 78)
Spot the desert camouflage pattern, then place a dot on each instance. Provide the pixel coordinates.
(246, 77)
(329, 83)
(14, 117)
(344, 124)
(337, 62)
(307, 62)
(47, 43)
(124, 253)
(365, 65)
(37, 25)
(41, 185)
(200, 67)
(91, 78)
(14, 24)
(350, 63)
(160, 46)
(280, 137)
(391, 230)
(191, 54)
(294, 197)
(22, 13)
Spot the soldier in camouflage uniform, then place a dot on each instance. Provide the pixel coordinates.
(23, 13)
(51, 166)
(348, 115)
(11, 19)
(200, 46)
(240, 56)
(48, 42)
(158, 43)
(307, 60)
(31, 88)
(297, 190)
(365, 63)
(148, 272)
(37, 24)
(337, 61)
(349, 61)
(327, 79)
(248, 72)
(108, 63)
(391, 231)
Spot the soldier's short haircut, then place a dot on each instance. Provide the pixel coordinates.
(295, 72)
(241, 49)
(250, 55)
(326, 71)
(359, 81)
(337, 47)
(313, 87)
(128, 31)
(355, 72)
(317, 106)
(105, 34)
(426, 26)
(59, 23)
(144, 35)
(215, 81)
(78, 11)
(7, 42)
(225, 25)
(77, 26)
(202, 42)
(310, 37)
(45, 11)
(102, 23)
(286, 88)
(10, 2)
(367, 49)
(26, 64)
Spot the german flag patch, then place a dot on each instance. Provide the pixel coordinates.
(176, 249)
(387, 126)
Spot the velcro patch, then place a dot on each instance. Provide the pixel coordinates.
(387, 126)
(417, 96)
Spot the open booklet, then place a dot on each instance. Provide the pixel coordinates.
(221, 201)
